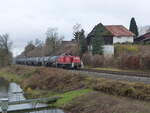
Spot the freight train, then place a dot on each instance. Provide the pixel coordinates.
(62, 61)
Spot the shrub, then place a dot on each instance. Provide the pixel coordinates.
(145, 62)
(130, 91)
(94, 61)
(133, 62)
(126, 61)
(110, 62)
(121, 60)
(97, 61)
(87, 59)
(127, 48)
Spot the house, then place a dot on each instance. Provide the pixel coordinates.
(145, 38)
(72, 42)
(68, 47)
(111, 34)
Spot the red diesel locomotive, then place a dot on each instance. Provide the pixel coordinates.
(63, 61)
(68, 61)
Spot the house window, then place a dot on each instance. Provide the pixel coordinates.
(108, 40)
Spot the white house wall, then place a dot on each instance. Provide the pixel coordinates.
(122, 39)
(108, 50)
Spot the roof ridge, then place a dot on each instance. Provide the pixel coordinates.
(113, 25)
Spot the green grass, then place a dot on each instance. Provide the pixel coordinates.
(10, 77)
(65, 99)
(37, 93)
(108, 69)
(69, 96)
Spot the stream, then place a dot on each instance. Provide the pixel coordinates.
(13, 92)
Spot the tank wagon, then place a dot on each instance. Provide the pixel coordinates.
(62, 61)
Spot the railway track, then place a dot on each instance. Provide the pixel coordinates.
(121, 76)
(137, 74)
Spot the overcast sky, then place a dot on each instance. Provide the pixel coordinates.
(27, 20)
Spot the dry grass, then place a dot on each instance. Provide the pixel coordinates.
(19, 70)
(54, 79)
(60, 81)
(41, 81)
(97, 102)
(122, 88)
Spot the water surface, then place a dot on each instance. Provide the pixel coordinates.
(13, 92)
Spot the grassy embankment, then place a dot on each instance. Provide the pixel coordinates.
(80, 93)
(24, 75)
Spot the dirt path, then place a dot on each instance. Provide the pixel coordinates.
(145, 80)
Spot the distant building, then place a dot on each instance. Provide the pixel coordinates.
(143, 38)
(68, 47)
(72, 42)
(112, 34)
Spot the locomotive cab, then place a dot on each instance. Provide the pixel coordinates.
(68, 61)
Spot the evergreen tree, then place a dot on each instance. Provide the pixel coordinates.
(97, 45)
(82, 42)
(98, 41)
(133, 26)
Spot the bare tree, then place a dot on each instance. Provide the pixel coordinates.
(144, 29)
(53, 41)
(5, 50)
(76, 29)
(5, 43)
(38, 43)
(29, 47)
(50, 47)
(148, 30)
